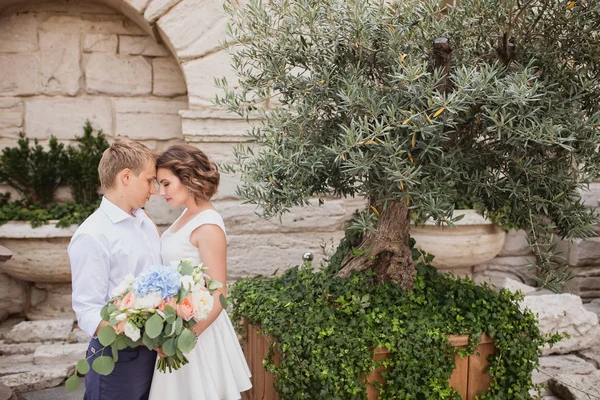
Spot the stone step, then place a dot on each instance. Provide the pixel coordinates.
(40, 331)
(39, 378)
(78, 336)
(19, 368)
(7, 325)
(7, 349)
(7, 361)
(59, 353)
(592, 356)
(576, 387)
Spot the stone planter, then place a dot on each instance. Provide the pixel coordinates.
(40, 258)
(470, 377)
(473, 241)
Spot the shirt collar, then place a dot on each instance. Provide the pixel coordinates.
(114, 213)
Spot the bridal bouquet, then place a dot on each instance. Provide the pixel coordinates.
(156, 309)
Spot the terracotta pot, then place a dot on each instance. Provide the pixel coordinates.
(473, 241)
(470, 377)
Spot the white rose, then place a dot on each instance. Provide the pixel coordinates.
(203, 303)
(121, 317)
(121, 289)
(129, 278)
(187, 282)
(151, 300)
(132, 331)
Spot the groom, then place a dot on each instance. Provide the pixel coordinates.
(116, 240)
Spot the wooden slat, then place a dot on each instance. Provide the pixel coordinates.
(270, 393)
(380, 353)
(470, 378)
(459, 340)
(479, 378)
(260, 382)
(460, 376)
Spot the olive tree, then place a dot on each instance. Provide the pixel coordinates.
(413, 103)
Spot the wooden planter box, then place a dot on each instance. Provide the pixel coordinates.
(470, 378)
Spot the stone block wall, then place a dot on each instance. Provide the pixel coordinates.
(62, 62)
(144, 69)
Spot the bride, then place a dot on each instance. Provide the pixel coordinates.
(217, 369)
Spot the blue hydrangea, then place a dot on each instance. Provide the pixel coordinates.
(161, 279)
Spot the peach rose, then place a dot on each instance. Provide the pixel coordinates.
(185, 309)
(119, 327)
(128, 301)
(171, 303)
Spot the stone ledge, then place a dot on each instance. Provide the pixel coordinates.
(49, 354)
(42, 378)
(23, 230)
(40, 331)
(214, 125)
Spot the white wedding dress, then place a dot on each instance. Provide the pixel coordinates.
(217, 369)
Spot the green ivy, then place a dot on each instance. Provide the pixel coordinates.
(326, 328)
(66, 214)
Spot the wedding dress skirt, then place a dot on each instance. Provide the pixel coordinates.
(217, 369)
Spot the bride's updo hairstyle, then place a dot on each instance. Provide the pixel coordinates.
(193, 168)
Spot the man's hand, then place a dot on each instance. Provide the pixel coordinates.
(101, 325)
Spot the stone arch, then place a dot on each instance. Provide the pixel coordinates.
(191, 30)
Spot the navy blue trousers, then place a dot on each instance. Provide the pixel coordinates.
(130, 380)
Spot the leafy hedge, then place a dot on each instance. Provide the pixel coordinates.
(326, 328)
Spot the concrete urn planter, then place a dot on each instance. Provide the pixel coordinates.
(40, 260)
(473, 241)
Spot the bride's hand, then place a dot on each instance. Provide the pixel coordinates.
(160, 352)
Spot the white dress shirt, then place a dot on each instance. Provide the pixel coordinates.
(107, 246)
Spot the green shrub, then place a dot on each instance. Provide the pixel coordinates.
(326, 328)
(37, 215)
(34, 172)
(83, 160)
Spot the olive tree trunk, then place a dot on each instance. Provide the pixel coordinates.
(386, 251)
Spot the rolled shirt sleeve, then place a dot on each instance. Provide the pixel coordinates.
(90, 269)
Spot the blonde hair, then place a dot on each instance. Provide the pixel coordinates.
(120, 155)
(193, 168)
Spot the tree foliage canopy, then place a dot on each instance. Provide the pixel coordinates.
(354, 103)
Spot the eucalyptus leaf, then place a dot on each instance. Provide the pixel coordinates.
(104, 313)
(115, 353)
(103, 365)
(72, 383)
(107, 335)
(83, 367)
(214, 285)
(170, 314)
(169, 347)
(154, 326)
(185, 268)
(186, 341)
(178, 326)
(223, 301)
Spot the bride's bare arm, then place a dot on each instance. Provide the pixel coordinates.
(212, 246)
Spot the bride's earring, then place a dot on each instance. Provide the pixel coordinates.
(190, 192)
